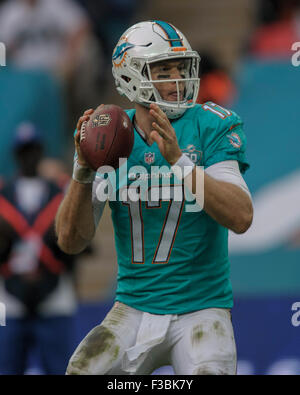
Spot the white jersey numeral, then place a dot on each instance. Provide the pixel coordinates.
(169, 227)
(216, 109)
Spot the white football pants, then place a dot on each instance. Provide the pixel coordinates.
(130, 341)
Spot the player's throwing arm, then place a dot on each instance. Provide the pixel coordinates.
(74, 221)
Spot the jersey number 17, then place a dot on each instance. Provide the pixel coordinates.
(169, 226)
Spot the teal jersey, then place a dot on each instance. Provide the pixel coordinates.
(172, 260)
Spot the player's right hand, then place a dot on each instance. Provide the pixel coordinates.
(84, 118)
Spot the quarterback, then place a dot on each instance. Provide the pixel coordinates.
(174, 295)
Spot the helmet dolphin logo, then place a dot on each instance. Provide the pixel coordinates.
(121, 50)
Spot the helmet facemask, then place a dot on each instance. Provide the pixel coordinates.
(185, 88)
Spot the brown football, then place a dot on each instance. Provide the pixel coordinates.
(106, 137)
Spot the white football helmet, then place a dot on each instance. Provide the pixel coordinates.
(144, 44)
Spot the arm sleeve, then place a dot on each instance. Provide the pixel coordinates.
(228, 171)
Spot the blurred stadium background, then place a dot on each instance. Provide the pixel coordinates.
(246, 50)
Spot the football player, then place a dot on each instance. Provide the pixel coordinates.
(174, 295)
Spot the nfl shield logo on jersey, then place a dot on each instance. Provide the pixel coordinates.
(149, 157)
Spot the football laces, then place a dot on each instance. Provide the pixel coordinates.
(82, 131)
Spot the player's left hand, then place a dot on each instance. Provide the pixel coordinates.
(164, 135)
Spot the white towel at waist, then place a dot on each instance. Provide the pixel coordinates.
(152, 331)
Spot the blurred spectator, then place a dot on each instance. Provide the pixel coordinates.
(43, 34)
(55, 171)
(110, 19)
(54, 36)
(36, 278)
(279, 30)
(215, 83)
